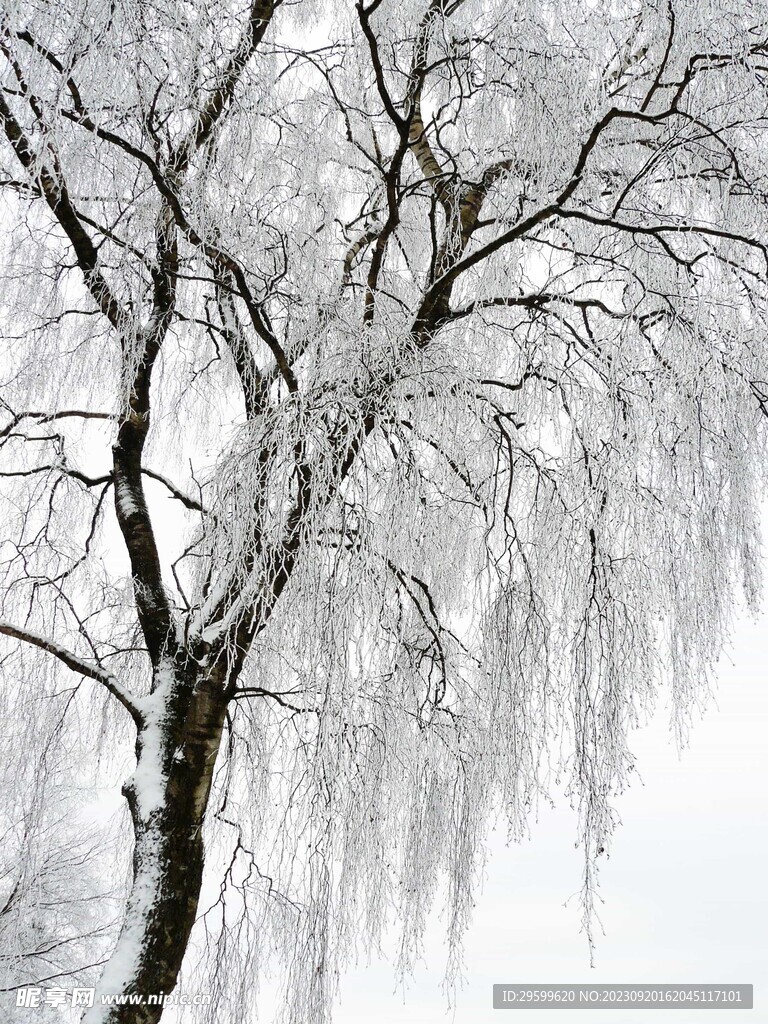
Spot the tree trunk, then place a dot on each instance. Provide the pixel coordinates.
(167, 796)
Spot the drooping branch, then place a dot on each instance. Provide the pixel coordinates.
(90, 669)
(659, 230)
(74, 474)
(106, 479)
(534, 301)
(50, 417)
(176, 492)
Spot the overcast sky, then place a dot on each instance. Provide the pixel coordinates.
(686, 897)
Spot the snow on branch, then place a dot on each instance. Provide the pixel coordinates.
(73, 661)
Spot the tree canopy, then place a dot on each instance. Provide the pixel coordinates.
(383, 394)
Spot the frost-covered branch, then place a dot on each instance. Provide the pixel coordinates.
(91, 669)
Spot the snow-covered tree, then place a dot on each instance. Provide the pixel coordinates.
(383, 392)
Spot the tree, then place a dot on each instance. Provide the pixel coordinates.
(384, 391)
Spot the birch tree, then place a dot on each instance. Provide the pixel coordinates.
(383, 392)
